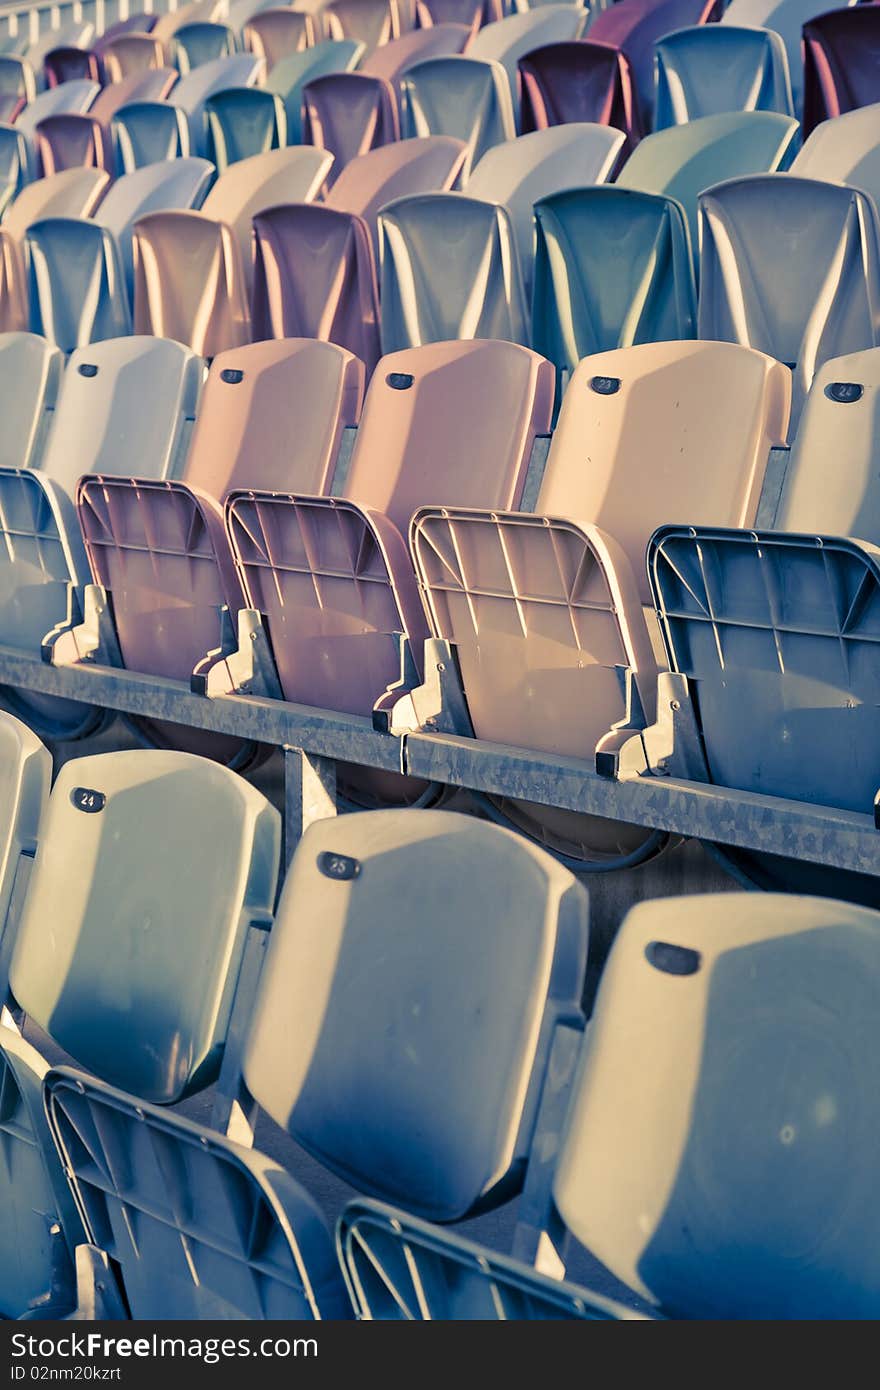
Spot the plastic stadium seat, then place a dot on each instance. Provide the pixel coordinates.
(844, 150)
(73, 33)
(784, 17)
(711, 68)
(242, 122)
(192, 92)
(70, 64)
(70, 96)
(373, 180)
(189, 281)
(77, 284)
(371, 22)
(392, 60)
(30, 372)
(612, 268)
(153, 85)
(430, 414)
(839, 438)
(449, 269)
(474, 13)
(196, 44)
(13, 285)
(72, 193)
(579, 81)
(167, 24)
(278, 32)
(545, 610)
(507, 40)
(348, 114)
(290, 75)
(68, 141)
(15, 163)
(293, 175)
(790, 266)
(635, 26)
(314, 276)
(736, 1181)
(238, 13)
(171, 184)
(683, 160)
(125, 404)
(139, 23)
(25, 776)
(132, 55)
(147, 132)
(520, 172)
(18, 85)
(841, 63)
(466, 98)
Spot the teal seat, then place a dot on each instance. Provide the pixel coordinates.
(244, 121)
(683, 160)
(15, 165)
(785, 18)
(288, 78)
(844, 150)
(466, 98)
(18, 84)
(147, 132)
(712, 68)
(198, 43)
(193, 91)
(77, 284)
(612, 268)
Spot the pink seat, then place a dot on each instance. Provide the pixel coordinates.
(473, 13)
(426, 165)
(636, 25)
(153, 85)
(348, 113)
(69, 141)
(189, 282)
(393, 59)
(315, 276)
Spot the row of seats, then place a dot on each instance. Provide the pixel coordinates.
(432, 967)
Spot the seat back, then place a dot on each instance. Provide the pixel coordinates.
(66, 64)
(314, 276)
(449, 269)
(783, 17)
(201, 42)
(371, 22)
(579, 81)
(638, 26)
(474, 13)
(189, 282)
(72, 193)
(433, 1105)
(276, 33)
(69, 141)
(242, 122)
(844, 150)
(393, 171)
(466, 98)
(18, 84)
(70, 96)
(790, 266)
(707, 69)
(30, 373)
(290, 75)
(192, 91)
(152, 85)
(778, 635)
(78, 293)
(349, 113)
(612, 268)
(132, 54)
(507, 40)
(15, 163)
(840, 63)
(14, 315)
(168, 185)
(149, 132)
(392, 60)
(157, 1029)
(735, 1181)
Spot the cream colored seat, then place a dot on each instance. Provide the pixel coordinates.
(189, 282)
(72, 193)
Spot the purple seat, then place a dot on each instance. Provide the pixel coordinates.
(71, 65)
(579, 81)
(135, 24)
(393, 59)
(636, 25)
(349, 113)
(474, 13)
(841, 63)
(315, 277)
(70, 141)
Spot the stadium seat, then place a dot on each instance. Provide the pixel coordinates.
(783, 17)
(77, 289)
(167, 185)
(708, 69)
(69, 141)
(520, 172)
(683, 160)
(15, 163)
(612, 268)
(373, 180)
(189, 281)
(466, 98)
(790, 266)
(314, 276)
(13, 285)
(25, 776)
(290, 75)
(148, 132)
(841, 71)
(132, 55)
(278, 32)
(371, 22)
(242, 122)
(507, 40)
(394, 59)
(153, 85)
(72, 193)
(456, 421)
(168, 23)
(31, 378)
(635, 26)
(546, 609)
(449, 268)
(191, 93)
(198, 43)
(579, 81)
(844, 150)
(348, 114)
(18, 85)
(293, 175)
(474, 13)
(70, 96)
(137, 23)
(71, 33)
(65, 64)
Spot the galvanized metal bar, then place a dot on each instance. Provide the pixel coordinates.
(309, 795)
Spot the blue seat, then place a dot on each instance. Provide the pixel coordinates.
(15, 165)
(244, 121)
(710, 68)
(288, 78)
(18, 84)
(77, 283)
(174, 183)
(192, 91)
(146, 132)
(30, 379)
(198, 43)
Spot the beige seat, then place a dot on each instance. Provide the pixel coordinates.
(13, 286)
(372, 180)
(546, 610)
(131, 55)
(72, 193)
(293, 175)
(189, 282)
(275, 33)
(372, 22)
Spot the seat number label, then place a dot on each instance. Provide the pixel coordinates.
(88, 800)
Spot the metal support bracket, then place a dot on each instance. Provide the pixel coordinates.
(90, 638)
(234, 1112)
(60, 1299)
(240, 665)
(671, 747)
(98, 1296)
(437, 705)
(309, 795)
